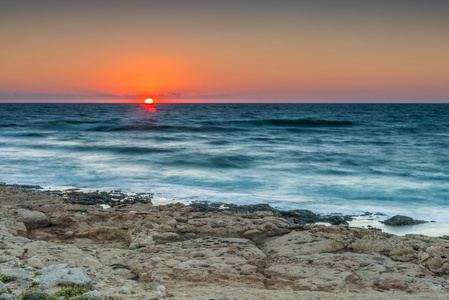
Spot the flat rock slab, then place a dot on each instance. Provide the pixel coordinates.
(61, 275)
(302, 243)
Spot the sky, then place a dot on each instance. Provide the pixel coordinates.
(224, 51)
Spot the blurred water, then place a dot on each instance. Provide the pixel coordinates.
(389, 158)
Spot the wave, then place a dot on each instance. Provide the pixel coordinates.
(218, 162)
(123, 150)
(225, 126)
(285, 123)
(106, 126)
(11, 125)
(219, 143)
(114, 125)
(101, 148)
(23, 134)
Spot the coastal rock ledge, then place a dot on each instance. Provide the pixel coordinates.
(175, 251)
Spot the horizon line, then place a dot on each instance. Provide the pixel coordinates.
(225, 103)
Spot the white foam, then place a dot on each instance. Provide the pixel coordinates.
(429, 229)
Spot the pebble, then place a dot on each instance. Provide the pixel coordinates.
(94, 294)
(161, 290)
(134, 246)
(124, 290)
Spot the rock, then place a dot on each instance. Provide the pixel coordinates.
(334, 220)
(161, 289)
(54, 275)
(19, 273)
(190, 235)
(153, 296)
(399, 220)
(124, 290)
(94, 295)
(203, 206)
(7, 297)
(251, 232)
(301, 216)
(2, 286)
(159, 294)
(112, 198)
(144, 241)
(301, 243)
(438, 259)
(388, 285)
(379, 243)
(32, 219)
(134, 246)
(218, 252)
(16, 228)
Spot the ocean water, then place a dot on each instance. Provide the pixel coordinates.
(343, 158)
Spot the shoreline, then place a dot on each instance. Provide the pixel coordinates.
(172, 193)
(368, 220)
(136, 251)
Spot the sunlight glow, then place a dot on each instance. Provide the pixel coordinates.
(149, 101)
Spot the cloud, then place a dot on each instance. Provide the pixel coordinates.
(212, 96)
(178, 95)
(45, 97)
(169, 95)
(105, 97)
(266, 97)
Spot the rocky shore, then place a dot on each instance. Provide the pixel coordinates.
(136, 250)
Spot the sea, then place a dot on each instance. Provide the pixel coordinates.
(329, 158)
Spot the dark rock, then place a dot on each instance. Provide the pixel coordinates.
(23, 187)
(109, 198)
(204, 206)
(373, 228)
(74, 196)
(300, 216)
(335, 220)
(399, 220)
(379, 214)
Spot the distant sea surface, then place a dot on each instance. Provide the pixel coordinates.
(347, 158)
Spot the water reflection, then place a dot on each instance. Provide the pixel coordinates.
(150, 107)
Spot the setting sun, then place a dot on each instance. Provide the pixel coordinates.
(149, 101)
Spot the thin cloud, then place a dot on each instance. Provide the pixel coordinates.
(45, 97)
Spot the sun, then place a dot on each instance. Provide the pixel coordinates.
(149, 101)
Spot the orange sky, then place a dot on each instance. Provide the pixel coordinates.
(224, 51)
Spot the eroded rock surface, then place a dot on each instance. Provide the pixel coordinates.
(136, 248)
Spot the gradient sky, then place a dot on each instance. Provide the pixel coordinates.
(224, 51)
